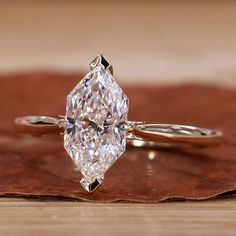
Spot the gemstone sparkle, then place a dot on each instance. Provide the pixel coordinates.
(96, 113)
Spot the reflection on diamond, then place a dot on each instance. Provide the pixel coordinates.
(96, 112)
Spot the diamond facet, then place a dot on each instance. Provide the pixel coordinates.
(96, 113)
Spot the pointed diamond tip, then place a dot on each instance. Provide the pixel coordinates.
(101, 60)
(90, 186)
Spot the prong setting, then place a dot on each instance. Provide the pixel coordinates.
(90, 186)
(101, 60)
(96, 114)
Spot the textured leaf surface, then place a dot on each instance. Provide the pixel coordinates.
(39, 166)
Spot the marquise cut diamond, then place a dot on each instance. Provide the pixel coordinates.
(96, 114)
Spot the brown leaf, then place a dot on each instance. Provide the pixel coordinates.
(33, 165)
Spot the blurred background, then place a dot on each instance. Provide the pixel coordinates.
(146, 41)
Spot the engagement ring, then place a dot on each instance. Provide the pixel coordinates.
(96, 127)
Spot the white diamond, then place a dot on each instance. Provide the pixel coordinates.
(96, 112)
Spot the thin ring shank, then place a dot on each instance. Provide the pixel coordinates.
(138, 133)
(38, 124)
(175, 135)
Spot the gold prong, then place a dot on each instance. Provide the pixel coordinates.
(90, 186)
(101, 60)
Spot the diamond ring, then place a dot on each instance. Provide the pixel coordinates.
(96, 127)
